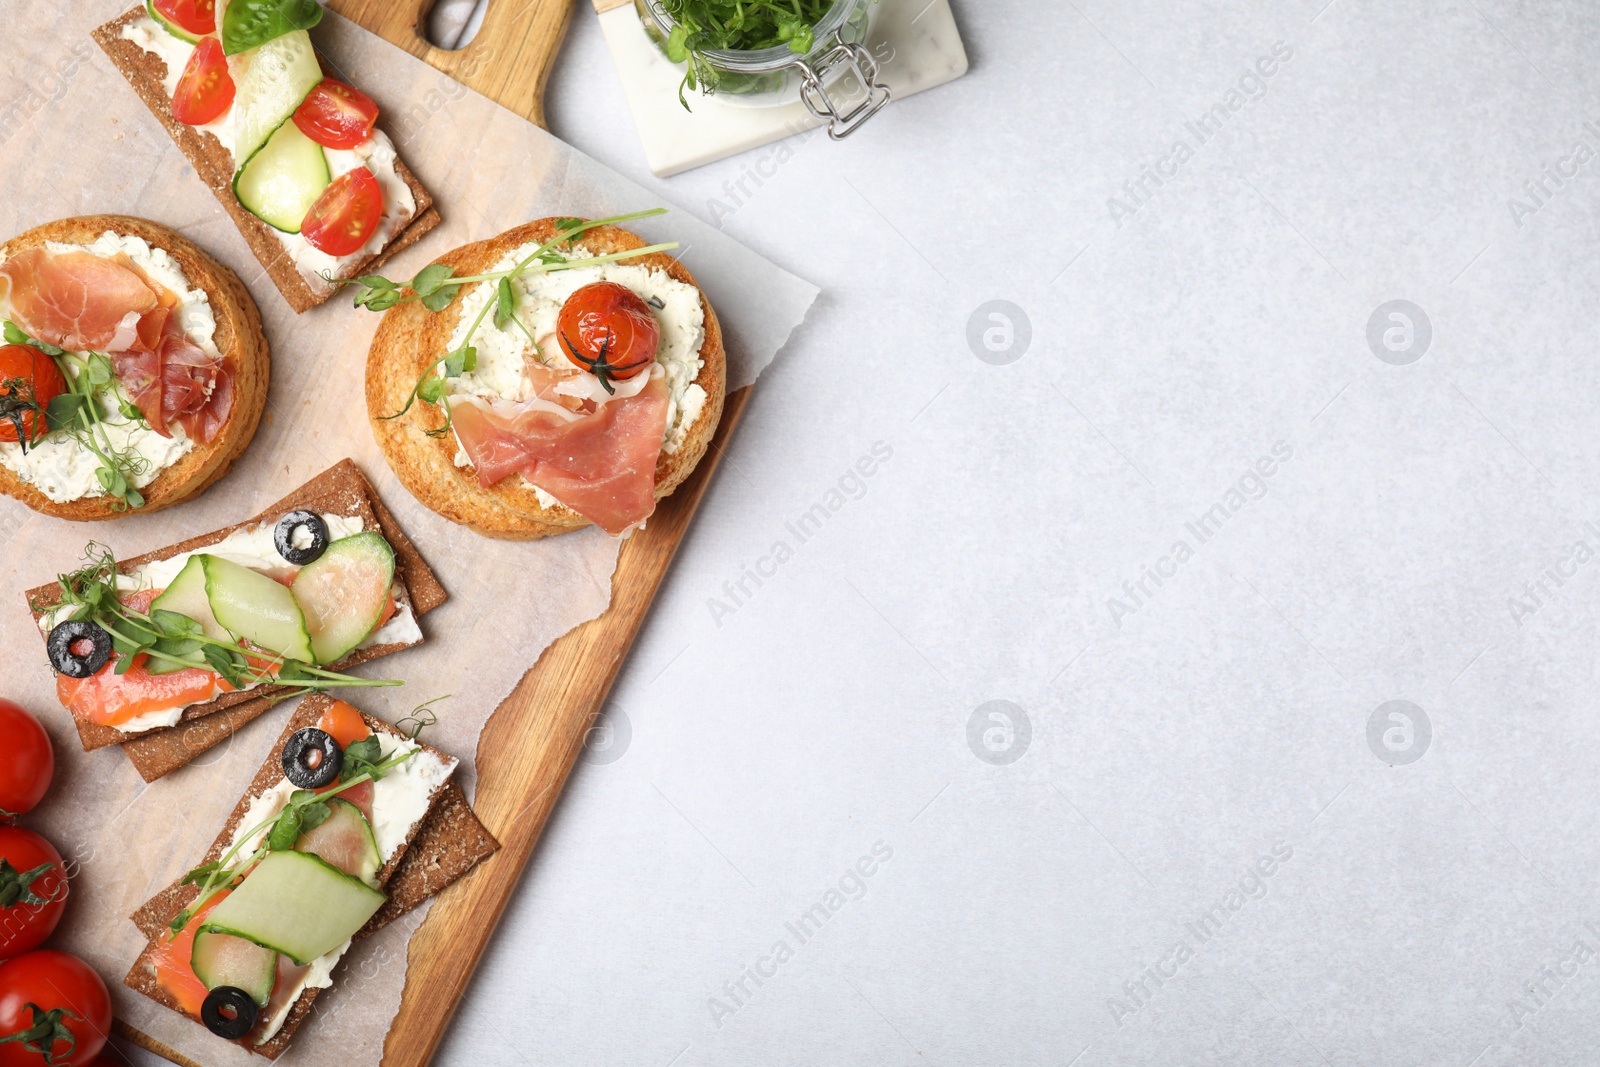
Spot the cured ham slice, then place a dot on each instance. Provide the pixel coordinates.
(576, 390)
(77, 300)
(170, 379)
(601, 465)
(140, 376)
(83, 302)
(197, 389)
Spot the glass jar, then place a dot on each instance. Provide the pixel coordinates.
(772, 77)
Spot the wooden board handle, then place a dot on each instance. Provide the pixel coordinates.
(509, 61)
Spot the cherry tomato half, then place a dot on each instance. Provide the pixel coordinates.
(344, 216)
(336, 115)
(608, 330)
(40, 990)
(27, 760)
(34, 881)
(198, 17)
(205, 91)
(28, 377)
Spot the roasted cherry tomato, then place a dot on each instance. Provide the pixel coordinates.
(336, 115)
(54, 1011)
(29, 380)
(345, 215)
(33, 890)
(608, 330)
(205, 91)
(198, 17)
(27, 762)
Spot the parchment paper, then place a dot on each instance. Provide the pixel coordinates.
(74, 139)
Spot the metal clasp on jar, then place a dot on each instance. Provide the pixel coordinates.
(814, 73)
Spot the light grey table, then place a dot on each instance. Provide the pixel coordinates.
(1198, 832)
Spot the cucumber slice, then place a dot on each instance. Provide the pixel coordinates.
(222, 959)
(296, 904)
(270, 83)
(187, 596)
(283, 179)
(256, 608)
(343, 593)
(345, 839)
(171, 27)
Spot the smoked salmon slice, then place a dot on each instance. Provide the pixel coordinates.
(111, 699)
(170, 959)
(344, 724)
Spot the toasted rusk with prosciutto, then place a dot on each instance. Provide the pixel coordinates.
(577, 383)
(133, 371)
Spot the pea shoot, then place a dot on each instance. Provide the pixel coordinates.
(703, 26)
(80, 413)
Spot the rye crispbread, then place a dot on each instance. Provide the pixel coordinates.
(408, 884)
(410, 341)
(238, 337)
(342, 489)
(215, 165)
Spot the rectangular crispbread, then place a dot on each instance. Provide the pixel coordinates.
(342, 489)
(214, 165)
(446, 843)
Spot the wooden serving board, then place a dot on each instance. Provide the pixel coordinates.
(532, 741)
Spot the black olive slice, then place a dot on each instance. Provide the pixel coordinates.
(312, 758)
(301, 537)
(229, 1012)
(78, 649)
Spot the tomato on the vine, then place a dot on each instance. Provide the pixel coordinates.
(27, 760)
(55, 1011)
(336, 115)
(29, 380)
(198, 17)
(608, 330)
(345, 215)
(205, 91)
(33, 890)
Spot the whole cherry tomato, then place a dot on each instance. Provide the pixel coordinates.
(55, 1011)
(336, 115)
(29, 380)
(344, 216)
(205, 91)
(33, 890)
(608, 330)
(27, 760)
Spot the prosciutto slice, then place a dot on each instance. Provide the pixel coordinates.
(198, 390)
(140, 376)
(77, 300)
(83, 302)
(170, 379)
(601, 465)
